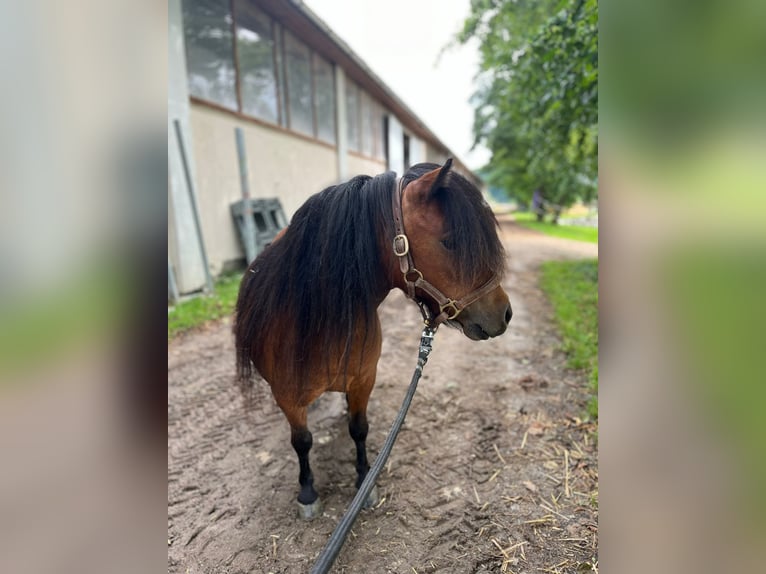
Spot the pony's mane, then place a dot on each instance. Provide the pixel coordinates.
(325, 274)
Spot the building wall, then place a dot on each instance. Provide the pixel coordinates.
(363, 166)
(173, 251)
(279, 165)
(417, 150)
(435, 155)
(184, 248)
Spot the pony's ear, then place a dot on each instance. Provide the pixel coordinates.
(429, 184)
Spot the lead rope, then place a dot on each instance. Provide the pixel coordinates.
(338, 537)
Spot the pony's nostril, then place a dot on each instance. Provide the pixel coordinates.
(508, 315)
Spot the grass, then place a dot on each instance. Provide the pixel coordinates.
(572, 287)
(195, 312)
(528, 219)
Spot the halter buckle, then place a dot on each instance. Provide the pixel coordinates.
(406, 245)
(407, 276)
(450, 304)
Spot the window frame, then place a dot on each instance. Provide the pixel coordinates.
(317, 60)
(234, 105)
(311, 82)
(283, 120)
(356, 89)
(237, 24)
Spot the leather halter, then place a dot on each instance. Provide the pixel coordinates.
(448, 308)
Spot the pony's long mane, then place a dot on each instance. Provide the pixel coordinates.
(324, 275)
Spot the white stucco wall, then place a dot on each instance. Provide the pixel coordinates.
(279, 164)
(184, 249)
(395, 145)
(434, 155)
(417, 150)
(363, 166)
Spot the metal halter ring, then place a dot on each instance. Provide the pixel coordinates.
(413, 270)
(450, 305)
(406, 242)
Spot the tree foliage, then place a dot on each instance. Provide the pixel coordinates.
(537, 101)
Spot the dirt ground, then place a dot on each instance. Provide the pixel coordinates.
(494, 471)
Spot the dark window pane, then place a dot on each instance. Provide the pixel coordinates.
(367, 125)
(324, 97)
(210, 51)
(281, 90)
(298, 61)
(380, 145)
(352, 115)
(255, 49)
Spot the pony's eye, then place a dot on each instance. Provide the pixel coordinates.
(448, 243)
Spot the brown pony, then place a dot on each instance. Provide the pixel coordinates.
(306, 316)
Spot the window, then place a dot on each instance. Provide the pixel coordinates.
(352, 115)
(324, 99)
(407, 164)
(299, 99)
(365, 122)
(377, 119)
(255, 50)
(281, 81)
(279, 62)
(210, 51)
(368, 125)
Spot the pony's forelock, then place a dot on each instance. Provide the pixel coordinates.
(478, 252)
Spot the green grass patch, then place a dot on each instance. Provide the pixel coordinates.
(194, 312)
(528, 219)
(572, 287)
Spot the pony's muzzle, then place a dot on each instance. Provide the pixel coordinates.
(486, 318)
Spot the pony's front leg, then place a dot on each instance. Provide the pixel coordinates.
(309, 505)
(358, 396)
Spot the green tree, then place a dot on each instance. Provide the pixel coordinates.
(537, 101)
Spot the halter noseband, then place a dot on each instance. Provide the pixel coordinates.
(448, 308)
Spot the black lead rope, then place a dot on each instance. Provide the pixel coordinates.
(338, 537)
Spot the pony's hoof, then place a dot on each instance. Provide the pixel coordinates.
(309, 511)
(373, 498)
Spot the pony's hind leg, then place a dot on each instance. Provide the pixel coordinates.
(357, 397)
(358, 428)
(309, 504)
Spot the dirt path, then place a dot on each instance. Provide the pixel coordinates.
(493, 471)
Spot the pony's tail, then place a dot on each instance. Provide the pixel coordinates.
(243, 330)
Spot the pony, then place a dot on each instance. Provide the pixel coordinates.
(306, 315)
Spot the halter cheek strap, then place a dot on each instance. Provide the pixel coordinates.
(413, 279)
